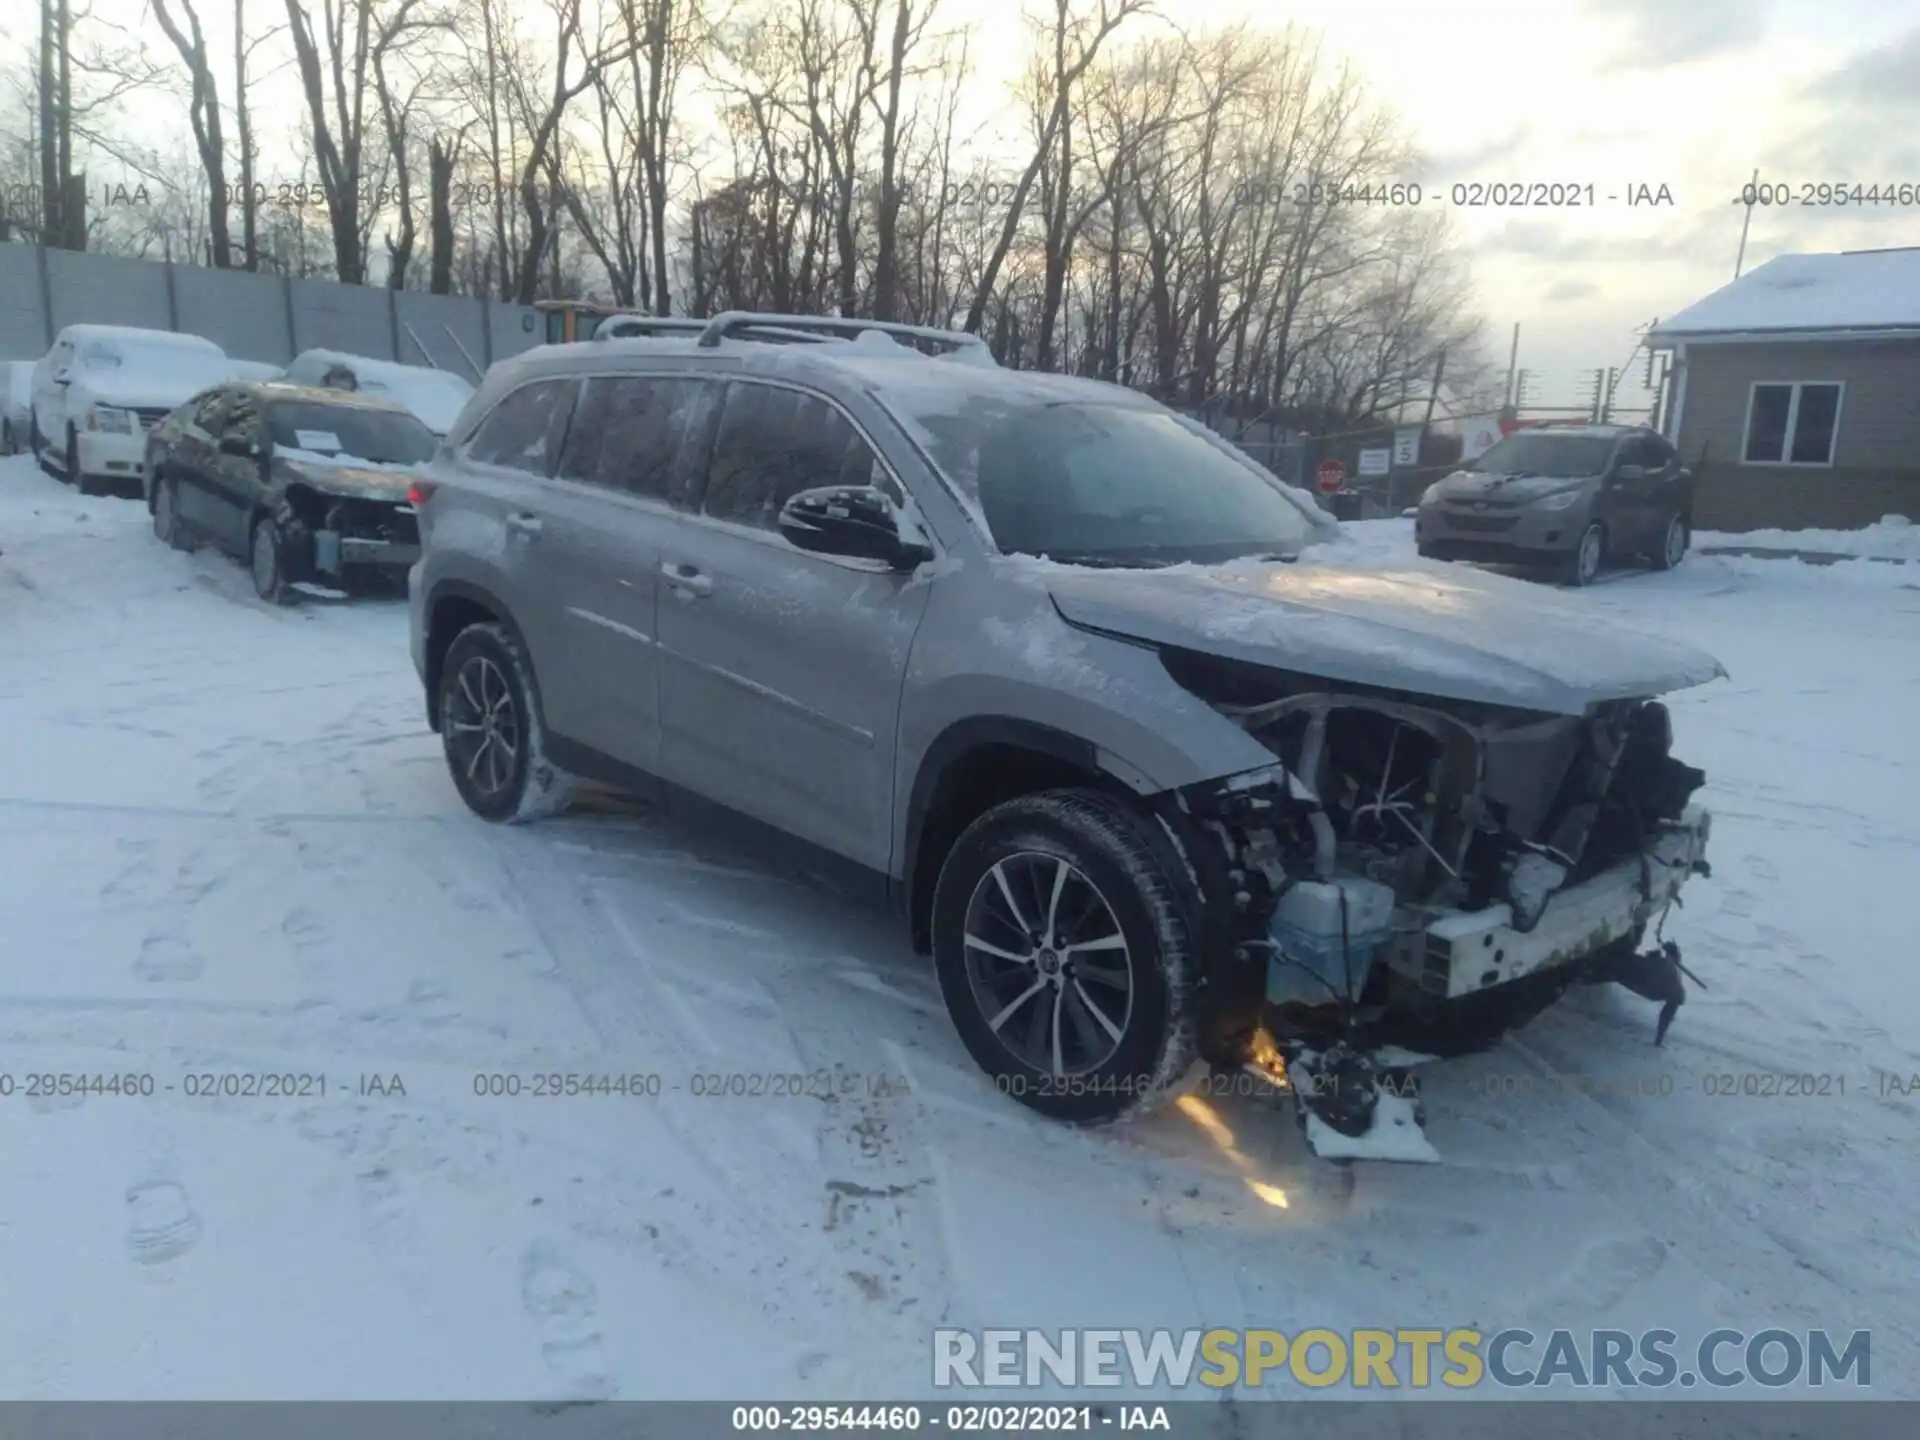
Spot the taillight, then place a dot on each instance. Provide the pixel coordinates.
(419, 492)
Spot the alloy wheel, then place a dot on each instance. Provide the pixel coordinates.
(483, 726)
(1048, 964)
(1588, 562)
(1676, 544)
(266, 559)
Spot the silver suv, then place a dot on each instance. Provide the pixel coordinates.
(1154, 764)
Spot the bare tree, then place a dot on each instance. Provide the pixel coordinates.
(203, 114)
(1076, 45)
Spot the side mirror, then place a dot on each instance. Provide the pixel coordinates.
(1630, 472)
(855, 521)
(238, 445)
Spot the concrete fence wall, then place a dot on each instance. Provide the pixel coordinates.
(267, 318)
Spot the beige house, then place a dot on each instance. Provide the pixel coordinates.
(1794, 392)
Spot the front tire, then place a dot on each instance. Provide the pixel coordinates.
(1674, 542)
(1066, 955)
(1588, 556)
(491, 729)
(266, 560)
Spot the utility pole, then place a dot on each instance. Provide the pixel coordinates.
(1753, 188)
(1433, 395)
(1513, 359)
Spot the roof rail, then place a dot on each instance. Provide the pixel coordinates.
(737, 323)
(648, 325)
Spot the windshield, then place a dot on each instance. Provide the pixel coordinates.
(360, 432)
(141, 356)
(1543, 453)
(1103, 484)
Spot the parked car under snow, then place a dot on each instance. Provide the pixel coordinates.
(435, 396)
(102, 387)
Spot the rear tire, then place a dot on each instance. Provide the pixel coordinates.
(1674, 542)
(1080, 1001)
(167, 527)
(491, 729)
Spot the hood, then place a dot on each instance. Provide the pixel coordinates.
(1512, 489)
(1441, 632)
(144, 389)
(373, 481)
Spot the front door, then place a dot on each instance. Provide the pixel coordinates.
(781, 670)
(235, 482)
(1639, 507)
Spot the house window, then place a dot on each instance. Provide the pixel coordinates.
(1792, 424)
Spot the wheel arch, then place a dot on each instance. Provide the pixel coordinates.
(452, 606)
(971, 766)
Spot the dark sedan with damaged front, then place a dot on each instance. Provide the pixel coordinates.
(311, 487)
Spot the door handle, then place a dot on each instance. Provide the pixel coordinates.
(686, 579)
(524, 522)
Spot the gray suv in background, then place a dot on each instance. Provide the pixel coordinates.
(1153, 764)
(1573, 497)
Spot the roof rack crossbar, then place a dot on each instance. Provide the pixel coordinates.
(652, 325)
(732, 322)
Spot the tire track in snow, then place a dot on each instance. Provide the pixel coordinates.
(836, 1182)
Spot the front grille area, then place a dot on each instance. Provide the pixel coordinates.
(374, 520)
(1484, 524)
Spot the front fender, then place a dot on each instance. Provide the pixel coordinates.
(1098, 702)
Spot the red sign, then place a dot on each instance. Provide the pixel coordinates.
(1331, 476)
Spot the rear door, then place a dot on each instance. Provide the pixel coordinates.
(190, 459)
(602, 524)
(781, 670)
(498, 511)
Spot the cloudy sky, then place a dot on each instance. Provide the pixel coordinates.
(1692, 95)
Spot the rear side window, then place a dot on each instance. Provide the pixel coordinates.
(774, 443)
(526, 429)
(628, 431)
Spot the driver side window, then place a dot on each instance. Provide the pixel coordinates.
(774, 443)
(1641, 451)
(211, 413)
(243, 421)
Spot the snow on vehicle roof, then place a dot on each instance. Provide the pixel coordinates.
(283, 389)
(1851, 290)
(133, 335)
(436, 396)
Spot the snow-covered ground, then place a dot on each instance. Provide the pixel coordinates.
(1892, 537)
(228, 845)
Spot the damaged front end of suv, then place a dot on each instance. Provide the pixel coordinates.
(1414, 876)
